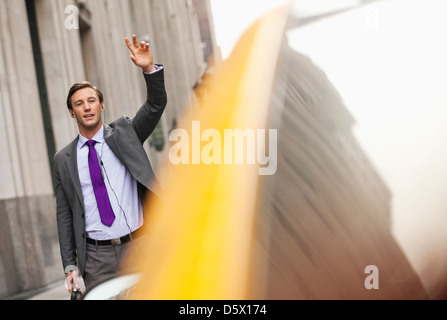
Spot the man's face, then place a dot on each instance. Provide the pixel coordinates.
(87, 110)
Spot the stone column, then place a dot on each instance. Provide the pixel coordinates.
(27, 208)
(62, 59)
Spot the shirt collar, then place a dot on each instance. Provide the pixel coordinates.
(98, 137)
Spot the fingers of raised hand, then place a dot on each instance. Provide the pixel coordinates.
(135, 42)
(129, 45)
(142, 45)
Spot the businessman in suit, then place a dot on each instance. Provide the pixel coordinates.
(103, 176)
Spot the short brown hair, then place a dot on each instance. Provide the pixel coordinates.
(83, 85)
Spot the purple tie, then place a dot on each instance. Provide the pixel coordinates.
(99, 188)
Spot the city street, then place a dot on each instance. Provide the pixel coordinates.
(55, 291)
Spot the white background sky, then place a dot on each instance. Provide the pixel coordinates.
(389, 62)
(232, 17)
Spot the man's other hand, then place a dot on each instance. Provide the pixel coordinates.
(72, 281)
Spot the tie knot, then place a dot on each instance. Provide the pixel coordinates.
(91, 143)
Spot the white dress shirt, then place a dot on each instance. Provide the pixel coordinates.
(121, 189)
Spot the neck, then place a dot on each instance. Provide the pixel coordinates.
(89, 133)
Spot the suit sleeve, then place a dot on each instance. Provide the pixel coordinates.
(150, 113)
(64, 224)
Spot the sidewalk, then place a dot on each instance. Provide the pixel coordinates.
(55, 291)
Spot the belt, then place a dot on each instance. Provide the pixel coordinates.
(114, 242)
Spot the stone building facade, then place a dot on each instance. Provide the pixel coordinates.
(45, 47)
(324, 218)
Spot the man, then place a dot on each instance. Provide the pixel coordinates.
(103, 175)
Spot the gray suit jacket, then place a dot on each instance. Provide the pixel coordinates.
(125, 137)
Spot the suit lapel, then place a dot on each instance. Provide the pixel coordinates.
(124, 157)
(110, 140)
(114, 146)
(72, 165)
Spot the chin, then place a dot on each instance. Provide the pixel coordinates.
(91, 125)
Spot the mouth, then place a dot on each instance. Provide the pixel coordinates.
(89, 116)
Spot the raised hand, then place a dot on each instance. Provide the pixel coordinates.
(141, 54)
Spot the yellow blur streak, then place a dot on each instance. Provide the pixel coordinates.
(198, 238)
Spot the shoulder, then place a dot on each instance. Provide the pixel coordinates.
(67, 150)
(122, 122)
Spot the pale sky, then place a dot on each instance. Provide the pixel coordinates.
(388, 60)
(233, 17)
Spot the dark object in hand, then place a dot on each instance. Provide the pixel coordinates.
(76, 295)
